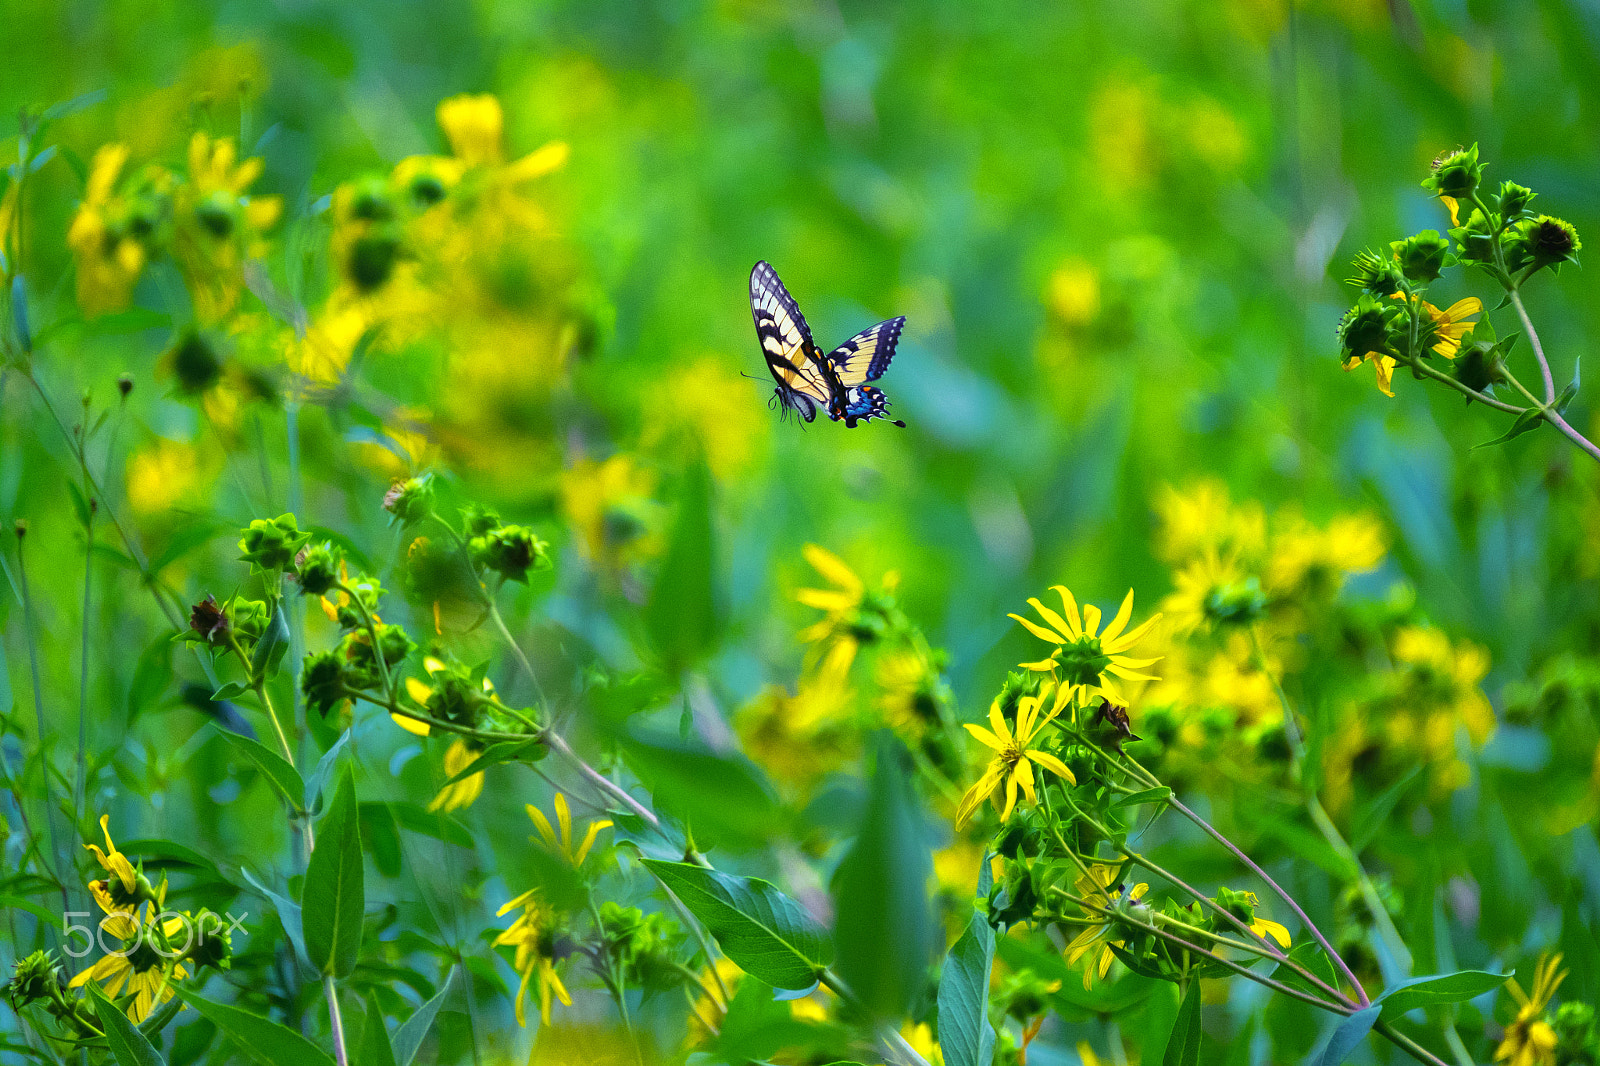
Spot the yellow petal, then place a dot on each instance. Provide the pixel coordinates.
(831, 567)
(541, 823)
(998, 721)
(986, 738)
(1038, 630)
(1059, 624)
(1069, 608)
(411, 725)
(1053, 764)
(1129, 639)
(1385, 366)
(418, 691)
(1262, 927)
(1124, 613)
(1091, 619)
(829, 600)
(564, 819)
(1023, 776)
(589, 839)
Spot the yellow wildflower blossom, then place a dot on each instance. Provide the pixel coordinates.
(1011, 768)
(561, 842)
(1098, 885)
(1084, 654)
(462, 793)
(144, 965)
(533, 936)
(1530, 1040)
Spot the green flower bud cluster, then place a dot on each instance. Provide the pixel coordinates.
(510, 551)
(317, 567)
(220, 625)
(410, 501)
(645, 946)
(37, 979)
(271, 544)
(1456, 174)
(329, 677)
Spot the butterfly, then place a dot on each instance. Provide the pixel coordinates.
(807, 379)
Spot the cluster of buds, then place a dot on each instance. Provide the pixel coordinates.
(272, 543)
(512, 552)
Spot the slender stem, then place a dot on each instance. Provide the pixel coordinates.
(371, 626)
(1554, 417)
(1410, 1046)
(1424, 368)
(337, 1020)
(1538, 349)
(1344, 968)
(891, 1038)
(259, 686)
(80, 783)
(556, 741)
(58, 857)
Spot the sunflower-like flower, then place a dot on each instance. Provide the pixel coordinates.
(1099, 886)
(1084, 655)
(115, 228)
(855, 615)
(119, 894)
(457, 757)
(533, 935)
(219, 224)
(1442, 330)
(145, 965)
(1211, 591)
(559, 839)
(1530, 1040)
(1015, 756)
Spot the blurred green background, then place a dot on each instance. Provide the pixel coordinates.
(1118, 232)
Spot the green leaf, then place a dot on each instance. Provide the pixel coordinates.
(884, 930)
(723, 800)
(1527, 421)
(769, 935)
(1149, 795)
(1436, 989)
(333, 901)
(151, 678)
(320, 773)
(262, 1040)
(408, 1038)
(284, 778)
(41, 913)
(1350, 1032)
(1183, 1046)
(288, 912)
(376, 1049)
(505, 751)
(231, 691)
(129, 1046)
(1375, 815)
(269, 649)
(682, 617)
(964, 1030)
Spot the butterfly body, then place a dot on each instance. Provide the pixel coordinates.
(806, 378)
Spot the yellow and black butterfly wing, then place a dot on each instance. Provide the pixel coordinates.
(866, 356)
(787, 346)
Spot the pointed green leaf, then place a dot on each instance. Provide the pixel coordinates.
(1183, 1046)
(1149, 795)
(683, 617)
(965, 1034)
(408, 1038)
(262, 1040)
(765, 932)
(288, 912)
(376, 1049)
(1526, 421)
(1350, 1032)
(129, 1046)
(1437, 988)
(333, 901)
(269, 649)
(284, 778)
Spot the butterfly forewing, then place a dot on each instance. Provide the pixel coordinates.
(786, 344)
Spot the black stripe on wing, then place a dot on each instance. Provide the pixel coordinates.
(866, 356)
(862, 404)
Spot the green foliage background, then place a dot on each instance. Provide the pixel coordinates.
(1210, 167)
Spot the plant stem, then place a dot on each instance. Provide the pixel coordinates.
(337, 1020)
(1538, 349)
(80, 781)
(891, 1038)
(1408, 1045)
(1427, 370)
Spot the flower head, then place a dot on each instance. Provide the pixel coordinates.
(460, 755)
(1364, 335)
(1084, 655)
(533, 935)
(1098, 885)
(559, 839)
(1529, 1039)
(119, 894)
(1442, 330)
(1213, 591)
(1011, 767)
(146, 964)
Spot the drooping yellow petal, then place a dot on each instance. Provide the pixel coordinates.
(1385, 367)
(1053, 764)
(542, 824)
(589, 839)
(986, 738)
(997, 720)
(1091, 619)
(1264, 927)
(1023, 775)
(1011, 796)
(411, 725)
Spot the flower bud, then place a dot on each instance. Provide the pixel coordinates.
(317, 566)
(410, 501)
(1376, 274)
(36, 977)
(322, 681)
(1514, 200)
(194, 362)
(212, 942)
(1421, 257)
(210, 619)
(1549, 241)
(511, 552)
(271, 544)
(1364, 328)
(1456, 174)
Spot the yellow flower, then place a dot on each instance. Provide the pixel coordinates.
(1211, 589)
(561, 842)
(1098, 886)
(1085, 655)
(1203, 518)
(1447, 678)
(1263, 927)
(533, 936)
(1011, 767)
(1529, 1039)
(457, 758)
(475, 127)
(910, 690)
(120, 894)
(1444, 328)
(610, 507)
(144, 964)
(1305, 558)
(919, 1035)
(104, 237)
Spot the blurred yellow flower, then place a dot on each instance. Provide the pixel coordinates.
(1073, 294)
(1083, 654)
(1203, 518)
(164, 472)
(533, 936)
(1303, 558)
(919, 1035)
(561, 842)
(1098, 885)
(118, 895)
(144, 965)
(611, 508)
(475, 127)
(465, 792)
(1530, 1040)
(105, 236)
(697, 408)
(1212, 589)
(1011, 768)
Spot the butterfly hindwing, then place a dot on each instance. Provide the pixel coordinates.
(866, 356)
(863, 403)
(787, 346)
